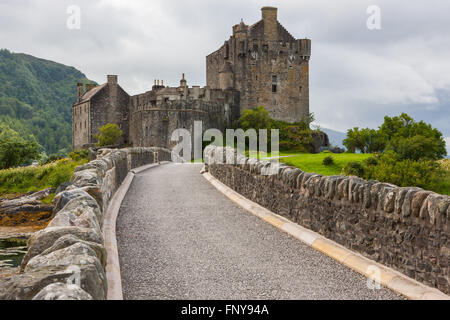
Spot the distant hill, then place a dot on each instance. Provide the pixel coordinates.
(335, 137)
(36, 96)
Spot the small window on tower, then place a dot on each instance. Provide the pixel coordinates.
(274, 84)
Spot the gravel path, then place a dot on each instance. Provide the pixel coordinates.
(180, 238)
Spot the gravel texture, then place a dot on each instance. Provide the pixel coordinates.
(180, 238)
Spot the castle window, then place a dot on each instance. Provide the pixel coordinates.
(274, 84)
(265, 48)
(300, 91)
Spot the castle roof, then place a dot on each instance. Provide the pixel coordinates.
(91, 93)
(257, 31)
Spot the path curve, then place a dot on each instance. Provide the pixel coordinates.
(180, 238)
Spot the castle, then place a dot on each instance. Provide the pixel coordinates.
(261, 64)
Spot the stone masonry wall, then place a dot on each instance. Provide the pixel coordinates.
(407, 229)
(71, 248)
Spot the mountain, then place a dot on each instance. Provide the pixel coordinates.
(36, 97)
(335, 137)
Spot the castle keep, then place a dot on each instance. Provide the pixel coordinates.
(261, 64)
(267, 65)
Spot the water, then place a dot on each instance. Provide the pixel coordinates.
(12, 251)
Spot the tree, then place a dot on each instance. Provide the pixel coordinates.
(257, 118)
(109, 134)
(15, 150)
(404, 136)
(413, 140)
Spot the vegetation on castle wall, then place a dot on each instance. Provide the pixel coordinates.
(36, 98)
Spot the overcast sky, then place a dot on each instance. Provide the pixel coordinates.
(357, 75)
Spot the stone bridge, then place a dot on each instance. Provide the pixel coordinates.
(134, 225)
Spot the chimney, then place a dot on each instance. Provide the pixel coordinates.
(112, 79)
(90, 86)
(183, 81)
(79, 90)
(269, 16)
(113, 91)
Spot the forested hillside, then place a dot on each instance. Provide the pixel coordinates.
(36, 96)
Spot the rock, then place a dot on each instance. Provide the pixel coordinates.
(70, 239)
(81, 212)
(407, 203)
(342, 189)
(63, 186)
(400, 194)
(26, 285)
(81, 261)
(289, 176)
(88, 177)
(435, 207)
(44, 239)
(62, 291)
(389, 201)
(61, 199)
(417, 201)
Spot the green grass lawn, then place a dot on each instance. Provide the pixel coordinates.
(313, 162)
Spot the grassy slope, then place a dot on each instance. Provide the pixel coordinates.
(22, 180)
(313, 162)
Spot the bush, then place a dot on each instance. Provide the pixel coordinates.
(426, 174)
(109, 134)
(372, 161)
(82, 154)
(353, 168)
(328, 161)
(52, 158)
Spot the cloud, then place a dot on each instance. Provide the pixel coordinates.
(357, 76)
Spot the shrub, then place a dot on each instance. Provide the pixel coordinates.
(109, 134)
(426, 174)
(328, 161)
(353, 168)
(79, 154)
(372, 161)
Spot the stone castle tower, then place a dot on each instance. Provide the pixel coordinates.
(267, 65)
(260, 64)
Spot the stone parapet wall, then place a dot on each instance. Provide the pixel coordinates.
(407, 229)
(67, 259)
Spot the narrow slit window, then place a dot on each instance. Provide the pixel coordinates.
(274, 84)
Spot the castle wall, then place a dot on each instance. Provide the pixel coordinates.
(80, 124)
(156, 114)
(105, 109)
